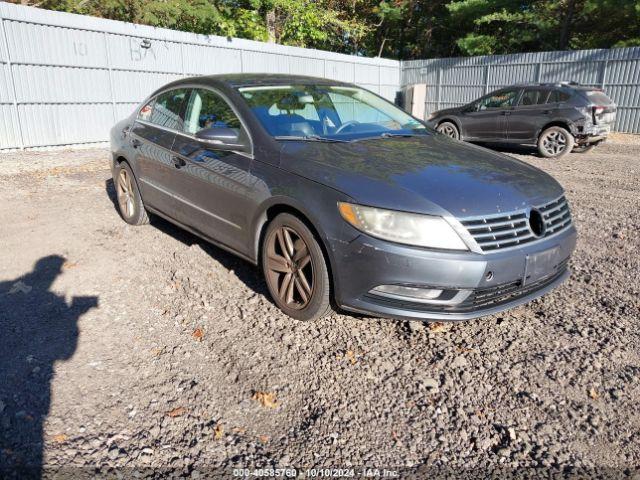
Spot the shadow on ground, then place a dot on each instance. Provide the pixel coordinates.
(37, 328)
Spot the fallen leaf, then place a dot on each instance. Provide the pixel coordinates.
(264, 438)
(394, 435)
(68, 265)
(198, 333)
(239, 430)
(351, 356)
(218, 432)
(593, 393)
(266, 399)
(156, 352)
(437, 327)
(177, 412)
(61, 438)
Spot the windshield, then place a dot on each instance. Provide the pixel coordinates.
(324, 112)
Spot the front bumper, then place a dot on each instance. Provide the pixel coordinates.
(485, 283)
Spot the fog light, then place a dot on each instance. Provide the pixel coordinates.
(409, 293)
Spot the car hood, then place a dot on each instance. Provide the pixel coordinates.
(431, 174)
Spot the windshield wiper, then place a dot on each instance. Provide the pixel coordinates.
(393, 135)
(309, 138)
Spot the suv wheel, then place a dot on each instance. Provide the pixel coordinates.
(130, 204)
(449, 129)
(555, 142)
(295, 269)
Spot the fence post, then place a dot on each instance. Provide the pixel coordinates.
(439, 91)
(111, 89)
(13, 82)
(603, 73)
(539, 72)
(486, 78)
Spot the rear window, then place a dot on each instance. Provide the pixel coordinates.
(598, 97)
(558, 96)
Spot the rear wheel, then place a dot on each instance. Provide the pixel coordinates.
(130, 204)
(295, 269)
(555, 142)
(584, 148)
(449, 129)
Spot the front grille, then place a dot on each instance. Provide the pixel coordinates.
(500, 231)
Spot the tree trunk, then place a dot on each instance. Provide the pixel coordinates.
(270, 19)
(566, 25)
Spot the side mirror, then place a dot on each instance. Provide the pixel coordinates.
(222, 138)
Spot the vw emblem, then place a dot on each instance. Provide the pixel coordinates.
(536, 223)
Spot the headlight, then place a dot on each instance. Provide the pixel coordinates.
(401, 227)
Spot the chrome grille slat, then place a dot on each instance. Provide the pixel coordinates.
(505, 230)
(499, 233)
(561, 213)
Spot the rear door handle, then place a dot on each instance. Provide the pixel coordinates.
(178, 162)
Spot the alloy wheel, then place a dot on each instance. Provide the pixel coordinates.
(289, 268)
(554, 143)
(125, 193)
(448, 130)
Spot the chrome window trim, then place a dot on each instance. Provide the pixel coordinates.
(194, 86)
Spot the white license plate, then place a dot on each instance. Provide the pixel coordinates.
(541, 265)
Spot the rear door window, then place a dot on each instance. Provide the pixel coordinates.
(167, 109)
(533, 97)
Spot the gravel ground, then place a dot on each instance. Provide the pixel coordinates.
(143, 347)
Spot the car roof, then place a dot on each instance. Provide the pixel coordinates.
(259, 79)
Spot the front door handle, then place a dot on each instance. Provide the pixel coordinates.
(178, 162)
(135, 142)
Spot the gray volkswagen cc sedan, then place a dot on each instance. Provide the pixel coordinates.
(342, 198)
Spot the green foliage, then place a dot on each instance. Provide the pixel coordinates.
(401, 29)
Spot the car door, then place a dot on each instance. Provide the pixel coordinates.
(152, 136)
(213, 185)
(529, 115)
(487, 120)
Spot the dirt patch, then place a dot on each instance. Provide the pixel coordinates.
(145, 347)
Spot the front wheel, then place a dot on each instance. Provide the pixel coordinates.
(555, 142)
(130, 203)
(295, 269)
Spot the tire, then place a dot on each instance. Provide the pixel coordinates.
(128, 196)
(449, 129)
(295, 269)
(555, 142)
(583, 148)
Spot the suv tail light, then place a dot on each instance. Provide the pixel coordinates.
(596, 112)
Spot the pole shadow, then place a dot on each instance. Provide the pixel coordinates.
(37, 328)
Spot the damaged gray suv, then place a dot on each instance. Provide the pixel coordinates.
(557, 118)
(341, 198)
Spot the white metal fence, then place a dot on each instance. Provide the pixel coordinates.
(65, 79)
(456, 81)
